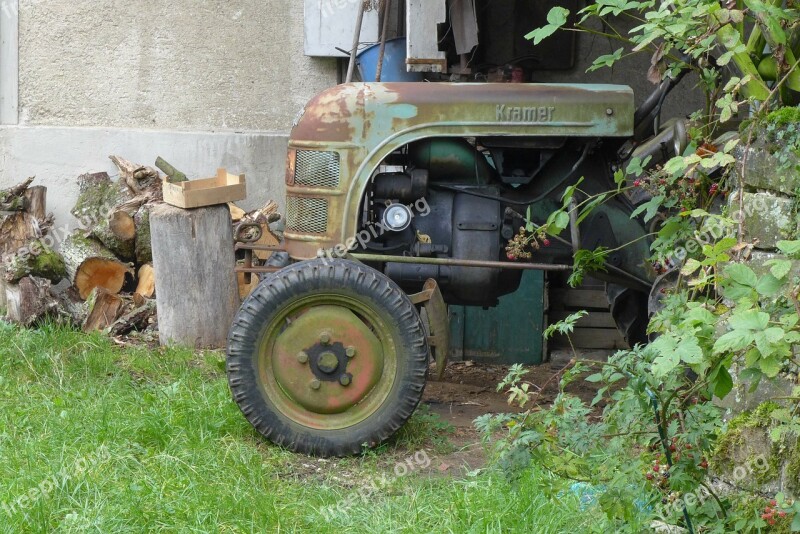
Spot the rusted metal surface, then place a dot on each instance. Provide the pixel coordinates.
(327, 360)
(438, 323)
(365, 122)
(461, 263)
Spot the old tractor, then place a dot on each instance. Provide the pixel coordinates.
(401, 199)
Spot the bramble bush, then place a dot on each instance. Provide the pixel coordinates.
(646, 454)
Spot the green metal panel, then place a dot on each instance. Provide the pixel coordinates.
(508, 333)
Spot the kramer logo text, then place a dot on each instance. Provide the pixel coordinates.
(525, 114)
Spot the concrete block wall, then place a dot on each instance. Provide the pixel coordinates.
(203, 83)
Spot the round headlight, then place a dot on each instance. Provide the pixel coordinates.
(397, 217)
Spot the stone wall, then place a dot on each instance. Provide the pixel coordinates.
(766, 205)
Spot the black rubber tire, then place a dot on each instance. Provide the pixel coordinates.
(275, 293)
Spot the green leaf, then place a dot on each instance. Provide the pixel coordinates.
(768, 285)
(749, 320)
(556, 18)
(691, 266)
(723, 384)
(789, 247)
(770, 366)
(779, 268)
(689, 351)
(597, 377)
(606, 60)
(651, 207)
(732, 341)
(741, 274)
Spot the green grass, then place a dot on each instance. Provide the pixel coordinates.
(94, 438)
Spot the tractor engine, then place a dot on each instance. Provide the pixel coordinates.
(445, 202)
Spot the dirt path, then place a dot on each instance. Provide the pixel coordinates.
(469, 390)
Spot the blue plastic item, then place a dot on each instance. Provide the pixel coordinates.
(394, 63)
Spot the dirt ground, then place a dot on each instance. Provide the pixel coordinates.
(469, 390)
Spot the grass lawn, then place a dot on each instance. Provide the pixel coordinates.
(95, 438)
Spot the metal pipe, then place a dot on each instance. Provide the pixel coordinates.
(460, 263)
(381, 54)
(356, 41)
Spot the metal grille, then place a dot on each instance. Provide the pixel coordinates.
(307, 215)
(316, 169)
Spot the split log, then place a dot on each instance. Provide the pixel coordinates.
(8, 195)
(138, 318)
(27, 223)
(264, 215)
(244, 288)
(143, 249)
(237, 213)
(72, 307)
(147, 281)
(194, 262)
(137, 177)
(36, 198)
(35, 299)
(98, 199)
(104, 308)
(35, 259)
(29, 301)
(89, 265)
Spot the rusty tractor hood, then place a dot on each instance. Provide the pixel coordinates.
(367, 114)
(344, 133)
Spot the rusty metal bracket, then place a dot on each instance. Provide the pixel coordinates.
(248, 268)
(438, 322)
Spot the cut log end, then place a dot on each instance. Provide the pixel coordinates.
(147, 281)
(122, 225)
(99, 272)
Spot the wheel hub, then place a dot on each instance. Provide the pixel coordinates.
(327, 360)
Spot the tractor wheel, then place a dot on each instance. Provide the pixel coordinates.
(326, 357)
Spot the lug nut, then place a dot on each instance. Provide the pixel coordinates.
(345, 380)
(302, 357)
(325, 338)
(315, 384)
(350, 351)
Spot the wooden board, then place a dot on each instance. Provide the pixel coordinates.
(578, 299)
(221, 189)
(597, 330)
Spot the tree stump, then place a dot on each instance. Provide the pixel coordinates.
(194, 261)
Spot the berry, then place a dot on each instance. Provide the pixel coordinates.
(637, 183)
(766, 516)
(771, 521)
(781, 514)
(511, 257)
(704, 464)
(656, 468)
(713, 188)
(649, 476)
(773, 503)
(546, 242)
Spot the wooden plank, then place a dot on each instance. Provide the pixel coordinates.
(422, 17)
(593, 338)
(593, 320)
(578, 299)
(221, 189)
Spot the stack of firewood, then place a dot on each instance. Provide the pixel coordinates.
(101, 278)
